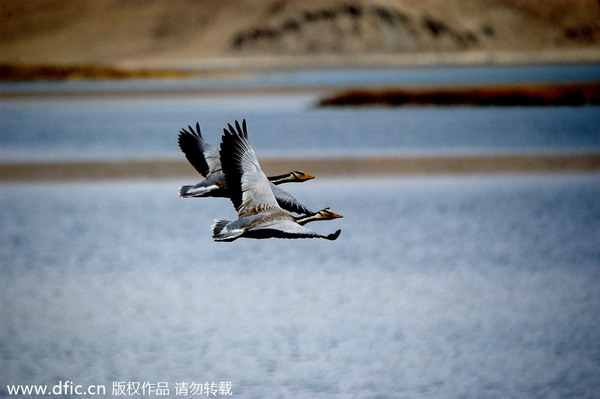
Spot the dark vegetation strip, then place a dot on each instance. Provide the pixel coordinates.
(518, 95)
(17, 72)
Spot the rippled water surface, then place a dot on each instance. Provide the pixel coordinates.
(437, 287)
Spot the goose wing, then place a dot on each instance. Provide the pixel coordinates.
(288, 202)
(283, 228)
(249, 188)
(203, 156)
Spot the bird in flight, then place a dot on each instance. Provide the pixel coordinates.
(259, 213)
(206, 160)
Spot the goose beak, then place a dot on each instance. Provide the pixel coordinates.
(301, 176)
(333, 215)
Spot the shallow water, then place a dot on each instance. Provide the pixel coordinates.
(438, 287)
(138, 127)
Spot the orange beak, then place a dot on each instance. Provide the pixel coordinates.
(334, 215)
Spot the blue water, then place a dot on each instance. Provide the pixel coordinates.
(445, 75)
(146, 126)
(437, 287)
(130, 127)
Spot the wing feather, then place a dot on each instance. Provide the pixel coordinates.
(286, 229)
(288, 202)
(248, 186)
(203, 156)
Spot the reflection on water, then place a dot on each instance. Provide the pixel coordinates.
(437, 287)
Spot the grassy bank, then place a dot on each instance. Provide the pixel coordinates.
(17, 72)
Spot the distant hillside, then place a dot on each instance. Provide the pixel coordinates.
(196, 34)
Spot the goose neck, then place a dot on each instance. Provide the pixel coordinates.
(280, 178)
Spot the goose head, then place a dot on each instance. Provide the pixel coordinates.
(324, 214)
(296, 176)
(327, 214)
(300, 176)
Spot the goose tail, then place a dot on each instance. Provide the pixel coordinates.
(199, 190)
(221, 231)
(185, 191)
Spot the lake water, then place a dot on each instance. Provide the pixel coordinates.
(147, 126)
(471, 287)
(137, 127)
(437, 287)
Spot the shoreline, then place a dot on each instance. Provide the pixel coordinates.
(228, 65)
(569, 89)
(335, 166)
(164, 92)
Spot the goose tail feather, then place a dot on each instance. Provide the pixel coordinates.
(184, 191)
(200, 190)
(222, 232)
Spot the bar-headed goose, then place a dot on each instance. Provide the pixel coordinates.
(205, 159)
(259, 215)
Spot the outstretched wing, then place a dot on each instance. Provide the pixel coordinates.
(287, 229)
(203, 157)
(249, 189)
(288, 202)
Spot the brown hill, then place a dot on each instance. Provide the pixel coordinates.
(213, 34)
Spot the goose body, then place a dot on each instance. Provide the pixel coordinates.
(206, 160)
(259, 214)
(246, 227)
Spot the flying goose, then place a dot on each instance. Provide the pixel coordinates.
(205, 159)
(259, 215)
